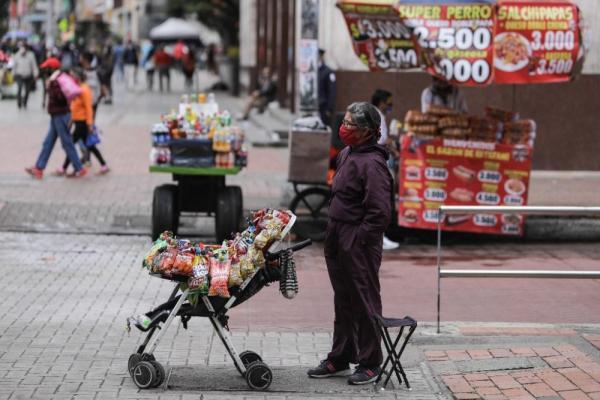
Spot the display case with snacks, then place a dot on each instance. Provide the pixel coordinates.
(198, 135)
(453, 159)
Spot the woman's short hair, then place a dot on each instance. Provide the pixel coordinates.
(365, 116)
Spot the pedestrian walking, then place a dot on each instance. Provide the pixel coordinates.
(359, 213)
(105, 71)
(131, 60)
(25, 71)
(327, 88)
(148, 63)
(162, 62)
(58, 108)
(382, 100)
(93, 79)
(188, 66)
(82, 117)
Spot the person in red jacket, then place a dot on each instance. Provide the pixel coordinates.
(60, 117)
(162, 62)
(359, 213)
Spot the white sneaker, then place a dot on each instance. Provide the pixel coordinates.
(389, 245)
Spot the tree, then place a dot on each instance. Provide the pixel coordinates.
(220, 15)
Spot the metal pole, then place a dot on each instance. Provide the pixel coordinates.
(49, 25)
(481, 273)
(439, 263)
(528, 210)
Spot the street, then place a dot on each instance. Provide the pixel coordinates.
(70, 261)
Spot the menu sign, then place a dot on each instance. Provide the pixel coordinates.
(460, 172)
(380, 39)
(535, 42)
(454, 41)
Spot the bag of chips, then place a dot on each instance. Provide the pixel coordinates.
(183, 263)
(167, 261)
(219, 277)
(198, 282)
(235, 275)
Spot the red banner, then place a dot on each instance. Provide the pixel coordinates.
(454, 41)
(379, 38)
(462, 172)
(535, 42)
(512, 41)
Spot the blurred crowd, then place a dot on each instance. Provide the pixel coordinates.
(121, 62)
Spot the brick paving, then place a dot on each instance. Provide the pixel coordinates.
(571, 374)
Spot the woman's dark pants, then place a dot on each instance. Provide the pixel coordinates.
(353, 270)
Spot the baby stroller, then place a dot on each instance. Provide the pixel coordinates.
(149, 373)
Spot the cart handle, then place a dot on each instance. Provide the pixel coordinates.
(295, 247)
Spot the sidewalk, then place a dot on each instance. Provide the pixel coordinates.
(66, 298)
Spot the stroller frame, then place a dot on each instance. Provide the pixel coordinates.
(148, 373)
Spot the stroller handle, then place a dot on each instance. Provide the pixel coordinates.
(295, 247)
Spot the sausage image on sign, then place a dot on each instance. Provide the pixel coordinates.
(463, 173)
(462, 195)
(411, 216)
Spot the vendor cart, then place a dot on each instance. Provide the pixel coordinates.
(197, 190)
(308, 172)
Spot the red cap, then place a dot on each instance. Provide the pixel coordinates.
(51, 63)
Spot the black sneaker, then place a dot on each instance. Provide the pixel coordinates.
(363, 375)
(327, 369)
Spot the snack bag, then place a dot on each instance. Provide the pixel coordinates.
(235, 275)
(167, 261)
(157, 262)
(183, 263)
(199, 279)
(246, 267)
(158, 246)
(219, 277)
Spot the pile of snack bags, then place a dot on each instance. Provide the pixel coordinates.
(211, 270)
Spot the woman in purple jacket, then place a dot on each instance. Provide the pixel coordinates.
(359, 213)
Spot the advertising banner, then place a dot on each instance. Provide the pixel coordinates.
(379, 38)
(453, 41)
(462, 172)
(468, 44)
(535, 42)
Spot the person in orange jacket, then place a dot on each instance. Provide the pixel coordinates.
(82, 118)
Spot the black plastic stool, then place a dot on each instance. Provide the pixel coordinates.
(393, 355)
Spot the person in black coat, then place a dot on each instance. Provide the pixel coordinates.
(326, 86)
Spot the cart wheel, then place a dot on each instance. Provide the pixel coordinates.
(310, 207)
(227, 212)
(248, 357)
(144, 374)
(165, 210)
(240, 204)
(133, 360)
(160, 374)
(259, 376)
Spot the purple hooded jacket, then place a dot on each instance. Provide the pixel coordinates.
(361, 191)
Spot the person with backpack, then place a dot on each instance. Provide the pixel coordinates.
(60, 117)
(82, 117)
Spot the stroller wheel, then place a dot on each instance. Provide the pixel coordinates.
(248, 357)
(160, 374)
(258, 376)
(144, 374)
(133, 360)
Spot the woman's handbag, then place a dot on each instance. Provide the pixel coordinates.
(69, 87)
(93, 137)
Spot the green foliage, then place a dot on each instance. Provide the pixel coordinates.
(220, 15)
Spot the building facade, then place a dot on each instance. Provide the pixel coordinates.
(566, 113)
